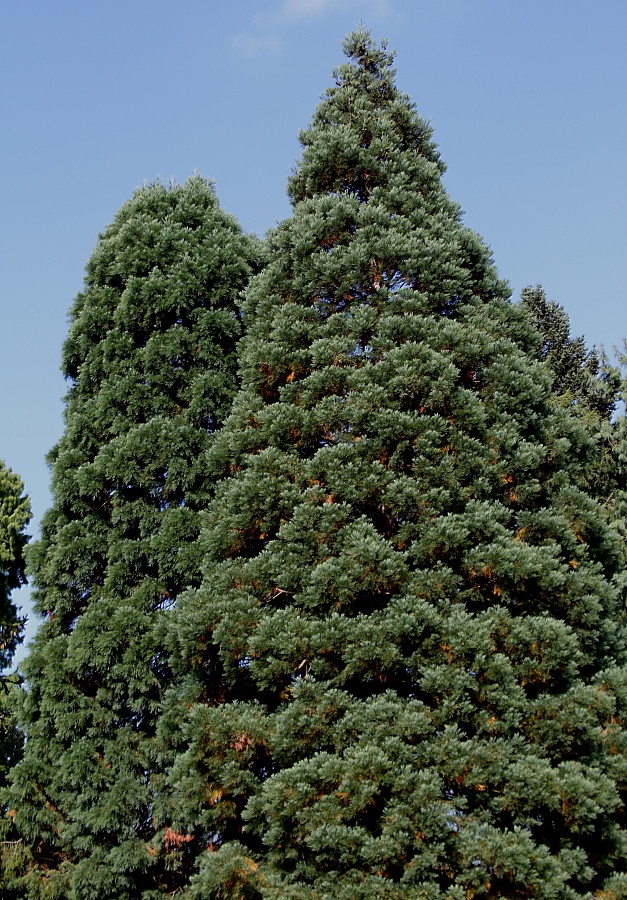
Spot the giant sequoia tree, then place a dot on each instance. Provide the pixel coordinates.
(407, 654)
(150, 358)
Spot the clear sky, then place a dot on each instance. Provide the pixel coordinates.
(528, 102)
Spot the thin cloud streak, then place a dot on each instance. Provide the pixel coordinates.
(296, 9)
(262, 38)
(301, 9)
(256, 44)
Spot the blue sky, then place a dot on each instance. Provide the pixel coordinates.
(528, 102)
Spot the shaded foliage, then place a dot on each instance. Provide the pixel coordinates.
(593, 390)
(580, 376)
(15, 514)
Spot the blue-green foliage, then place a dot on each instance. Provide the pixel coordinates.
(392, 662)
(150, 358)
(403, 673)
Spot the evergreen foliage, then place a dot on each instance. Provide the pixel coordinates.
(15, 514)
(405, 664)
(594, 391)
(580, 378)
(150, 358)
(616, 487)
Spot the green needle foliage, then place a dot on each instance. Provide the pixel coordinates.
(592, 390)
(580, 379)
(150, 357)
(405, 664)
(15, 514)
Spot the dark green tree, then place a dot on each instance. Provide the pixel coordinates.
(150, 358)
(580, 378)
(616, 490)
(15, 514)
(405, 663)
(593, 390)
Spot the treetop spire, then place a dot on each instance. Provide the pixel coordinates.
(360, 47)
(365, 132)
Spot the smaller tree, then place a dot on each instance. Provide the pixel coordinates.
(595, 391)
(581, 376)
(15, 513)
(151, 363)
(613, 455)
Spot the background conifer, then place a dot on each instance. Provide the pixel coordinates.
(580, 378)
(15, 514)
(407, 652)
(150, 357)
(594, 391)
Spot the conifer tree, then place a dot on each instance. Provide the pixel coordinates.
(591, 389)
(580, 378)
(15, 515)
(617, 483)
(150, 358)
(405, 663)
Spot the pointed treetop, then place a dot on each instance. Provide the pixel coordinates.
(365, 133)
(360, 47)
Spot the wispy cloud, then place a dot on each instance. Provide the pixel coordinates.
(255, 44)
(302, 9)
(261, 37)
(296, 9)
